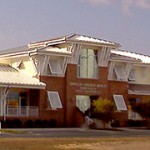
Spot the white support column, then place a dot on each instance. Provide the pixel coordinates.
(71, 47)
(103, 56)
(128, 69)
(111, 68)
(107, 56)
(75, 54)
(33, 65)
(65, 62)
(45, 63)
(39, 64)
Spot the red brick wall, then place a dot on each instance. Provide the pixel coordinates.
(52, 84)
(119, 88)
(79, 86)
(70, 86)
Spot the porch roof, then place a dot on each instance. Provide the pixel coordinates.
(11, 77)
(139, 89)
(121, 54)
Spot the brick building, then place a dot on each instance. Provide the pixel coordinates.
(57, 79)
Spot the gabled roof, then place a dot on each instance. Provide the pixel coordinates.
(51, 43)
(126, 55)
(74, 38)
(11, 77)
(39, 46)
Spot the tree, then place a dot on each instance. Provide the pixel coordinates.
(103, 109)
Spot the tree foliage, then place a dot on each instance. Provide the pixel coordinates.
(103, 109)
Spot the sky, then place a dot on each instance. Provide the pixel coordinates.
(123, 21)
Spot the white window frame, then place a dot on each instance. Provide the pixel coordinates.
(85, 54)
(120, 72)
(55, 67)
(120, 103)
(54, 99)
(132, 75)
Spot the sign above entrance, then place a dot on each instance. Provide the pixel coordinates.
(88, 88)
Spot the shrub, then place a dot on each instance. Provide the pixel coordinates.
(29, 124)
(143, 108)
(103, 109)
(38, 123)
(52, 123)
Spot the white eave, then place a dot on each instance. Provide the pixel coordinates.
(91, 40)
(133, 56)
(77, 38)
(33, 48)
(55, 51)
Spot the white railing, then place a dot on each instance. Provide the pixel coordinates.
(27, 111)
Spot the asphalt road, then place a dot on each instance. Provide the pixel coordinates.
(73, 133)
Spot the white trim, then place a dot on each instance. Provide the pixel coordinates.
(45, 61)
(136, 92)
(103, 56)
(120, 73)
(55, 67)
(75, 54)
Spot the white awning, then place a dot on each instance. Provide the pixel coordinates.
(54, 99)
(120, 103)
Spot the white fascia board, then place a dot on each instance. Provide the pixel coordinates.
(23, 86)
(126, 61)
(92, 44)
(13, 55)
(55, 54)
(46, 43)
(135, 92)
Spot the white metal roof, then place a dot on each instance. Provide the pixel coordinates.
(142, 58)
(42, 45)
(14, 78)
(73, 38)
(83, 38)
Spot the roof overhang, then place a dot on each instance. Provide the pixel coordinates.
(136, 89)
(12, 77)
(25, 86)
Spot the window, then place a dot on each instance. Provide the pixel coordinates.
(83, 102)
(87, 65)
(54, 66)
(54, 99)
(132, 75)
(57, 66)
(120, 103)
(12, 98)
(120, 72)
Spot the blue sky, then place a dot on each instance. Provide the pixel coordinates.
(124, 21)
